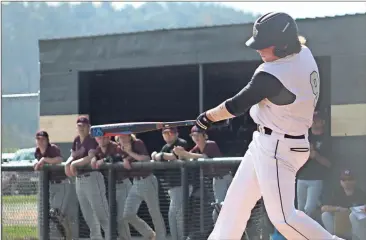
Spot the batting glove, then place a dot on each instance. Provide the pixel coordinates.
(202, 122)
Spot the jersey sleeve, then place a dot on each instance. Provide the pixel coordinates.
(262, 85)
(212, 150)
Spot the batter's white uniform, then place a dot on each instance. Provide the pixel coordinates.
(271, 162)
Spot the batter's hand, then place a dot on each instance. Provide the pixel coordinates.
(202, 122)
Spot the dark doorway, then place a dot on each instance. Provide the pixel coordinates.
(148, 94)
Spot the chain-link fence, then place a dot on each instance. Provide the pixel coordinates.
(172, 200)
(20, 188)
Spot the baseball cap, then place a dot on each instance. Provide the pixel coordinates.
(347, 175)
(195, 129)
(171, 129)
(83, 120)
(42, 134)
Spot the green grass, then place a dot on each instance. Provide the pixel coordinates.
(19, 199)
(19, 232)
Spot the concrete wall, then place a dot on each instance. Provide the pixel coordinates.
(341, 38)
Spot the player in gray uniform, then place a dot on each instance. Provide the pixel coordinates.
(209, 149)
(90, 186)
(144, 188)
(107, 148)
(282, 96)
(47, 153)
(172, 178)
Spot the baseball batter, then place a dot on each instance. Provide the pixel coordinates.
(144, 188)
(47, 153)
(90, 186)
(282, 94)
(107, 148)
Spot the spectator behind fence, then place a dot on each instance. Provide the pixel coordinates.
(172, 179)
(144, 188)
(47, 153)
(336, 211)
(312, 174)
(90, 186)
(204, 148)
(106, 152)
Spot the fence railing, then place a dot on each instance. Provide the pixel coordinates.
(194, 178)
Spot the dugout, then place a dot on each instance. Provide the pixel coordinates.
(168, 75)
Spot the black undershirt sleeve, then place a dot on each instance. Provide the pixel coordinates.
(262, 85)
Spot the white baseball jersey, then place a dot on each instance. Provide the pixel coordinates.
(300, 75)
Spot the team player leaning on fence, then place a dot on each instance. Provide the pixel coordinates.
(91, 188)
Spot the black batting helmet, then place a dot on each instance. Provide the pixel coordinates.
(273, 29)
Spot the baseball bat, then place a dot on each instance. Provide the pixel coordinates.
(134, 127)
(138, 127)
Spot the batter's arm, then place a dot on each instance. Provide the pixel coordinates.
(262, 85)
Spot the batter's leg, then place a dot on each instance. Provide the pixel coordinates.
(122, 190)
(98, 199)
(276, 168)
(132, 205)
(150, 191)
(86, 209)
(240, 199)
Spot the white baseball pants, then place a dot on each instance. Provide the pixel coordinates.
(268, 169)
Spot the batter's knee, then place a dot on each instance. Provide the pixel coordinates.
(287, 224)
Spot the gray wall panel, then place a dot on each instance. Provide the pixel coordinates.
(59, 94)
(348, 79)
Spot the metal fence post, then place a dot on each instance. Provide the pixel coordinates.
(202, 201)
(185, 207)
(112, 204)
(44, 177)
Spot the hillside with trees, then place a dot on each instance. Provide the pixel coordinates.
(23, 24)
